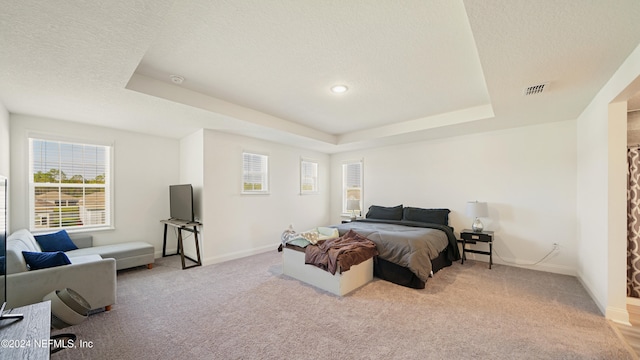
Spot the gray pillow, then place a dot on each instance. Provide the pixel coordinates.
(385, 213)
(432, 216)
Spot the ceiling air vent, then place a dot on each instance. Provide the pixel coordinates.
(535, 89)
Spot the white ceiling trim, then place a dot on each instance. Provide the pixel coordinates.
(426, 123)
(175, 93)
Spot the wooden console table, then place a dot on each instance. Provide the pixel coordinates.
(181, 225)
(27, 338)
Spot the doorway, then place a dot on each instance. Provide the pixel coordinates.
(633, 208)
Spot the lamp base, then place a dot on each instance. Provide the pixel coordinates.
(477, 226)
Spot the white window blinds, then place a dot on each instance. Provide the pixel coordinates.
(255, 173)
(308, 177)
(69, 185)
(351, 184)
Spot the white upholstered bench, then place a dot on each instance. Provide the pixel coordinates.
(339, 284)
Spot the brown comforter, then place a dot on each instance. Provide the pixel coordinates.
(348, 250)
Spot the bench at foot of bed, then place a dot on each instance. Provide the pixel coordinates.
(340, 284)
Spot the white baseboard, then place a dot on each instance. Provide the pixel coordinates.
(552, 268)
(227, 257)
(239, 254)
(557, 269)
(618, 315)
(633, 301)
(602, 307)
(158, 253)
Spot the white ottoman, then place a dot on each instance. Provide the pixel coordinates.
(339, 284)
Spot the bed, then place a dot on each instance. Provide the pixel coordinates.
(413, 243)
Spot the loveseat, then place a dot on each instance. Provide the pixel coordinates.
(91, 272)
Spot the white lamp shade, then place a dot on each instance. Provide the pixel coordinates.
(353, 204)
(477, 209)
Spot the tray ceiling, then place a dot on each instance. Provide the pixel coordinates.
(415, 69)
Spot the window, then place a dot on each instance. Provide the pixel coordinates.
(352, 187)
(255, 173)
(308, 177)
(69, 185)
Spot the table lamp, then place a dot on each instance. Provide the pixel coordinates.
(353, 205)
(477, 210)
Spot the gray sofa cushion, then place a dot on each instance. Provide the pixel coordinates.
(115, 251)
(85, 259)
(127, 255)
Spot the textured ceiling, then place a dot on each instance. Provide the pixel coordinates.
(415, 69)
(281, 57)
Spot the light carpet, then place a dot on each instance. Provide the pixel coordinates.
(246, 309)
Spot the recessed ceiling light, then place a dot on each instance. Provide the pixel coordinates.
(176, 79)
(339, 89)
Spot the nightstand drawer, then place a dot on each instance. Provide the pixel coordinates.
(469, 236)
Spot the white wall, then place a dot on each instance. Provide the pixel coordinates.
(526, 175)
(191, 172)
(192, 154)
(238, 225)
(5, 150)
(144, 168)
(4, 141)
(601, 198)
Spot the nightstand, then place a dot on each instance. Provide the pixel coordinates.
(472, 237)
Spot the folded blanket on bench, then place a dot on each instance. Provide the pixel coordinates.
(348, 250)
(303, 239)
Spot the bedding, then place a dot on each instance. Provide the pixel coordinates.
(346, 251)
(303, 239)
(408, 244)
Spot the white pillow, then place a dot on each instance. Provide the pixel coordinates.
(327, 233)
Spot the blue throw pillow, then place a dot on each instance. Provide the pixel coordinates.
(43, 260)
(59, 241)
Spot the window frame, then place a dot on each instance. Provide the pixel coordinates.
(345, 188)
(315, 179)
(265, 177)
(108, 186)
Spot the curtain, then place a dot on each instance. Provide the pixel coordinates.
(633, 222)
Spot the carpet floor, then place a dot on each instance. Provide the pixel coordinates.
(247, 309)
